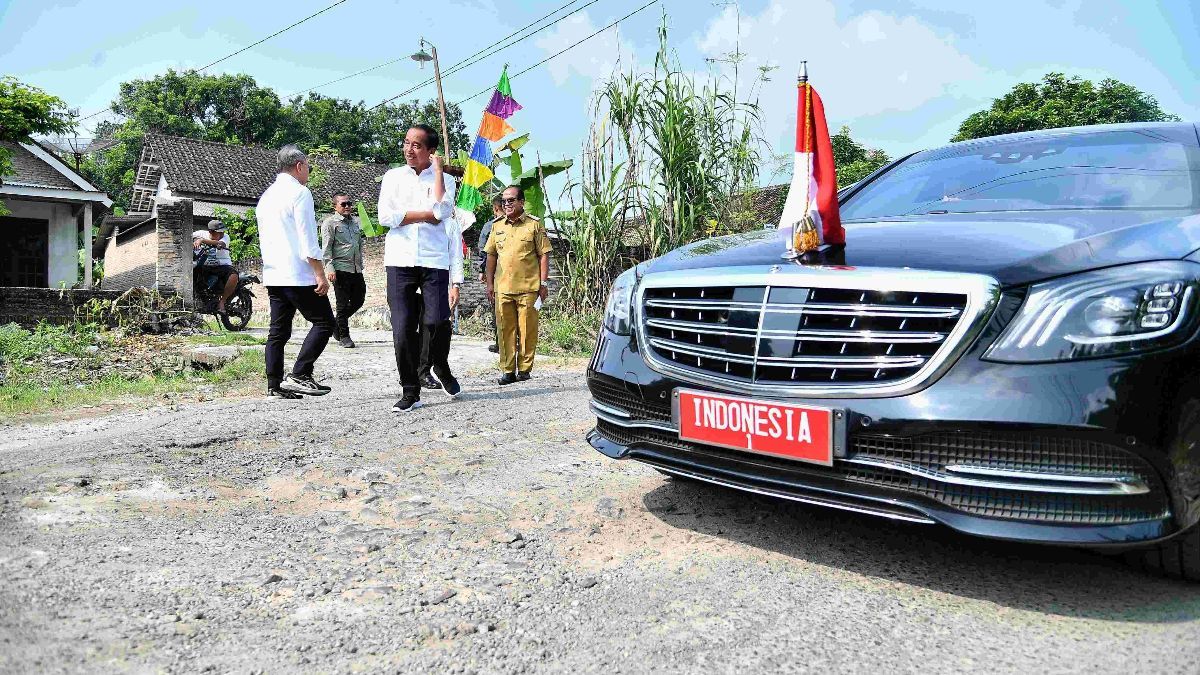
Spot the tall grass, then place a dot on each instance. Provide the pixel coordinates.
(670, 159)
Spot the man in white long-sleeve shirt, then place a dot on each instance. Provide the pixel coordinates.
(416, 203)
(293, 275)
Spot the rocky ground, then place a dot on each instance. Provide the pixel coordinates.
(484, 535)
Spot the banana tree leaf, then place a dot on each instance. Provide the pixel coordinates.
(369, 228)
(515, 144)
(514, 165)
(535, 201)
(548, 169)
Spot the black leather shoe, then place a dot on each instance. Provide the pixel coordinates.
(522, 375)
(494, 348)
(507, 378)
(428, 382)
(347, 343)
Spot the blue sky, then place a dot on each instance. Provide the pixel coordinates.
(902, 74)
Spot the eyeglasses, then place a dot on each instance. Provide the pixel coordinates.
(511, 200)
(345, 203)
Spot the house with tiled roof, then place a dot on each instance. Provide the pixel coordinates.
(231, 176)
(51, 209)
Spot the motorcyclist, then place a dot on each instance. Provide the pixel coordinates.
(217, 263)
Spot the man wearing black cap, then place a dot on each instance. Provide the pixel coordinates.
(218, 264)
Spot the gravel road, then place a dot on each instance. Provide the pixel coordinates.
(484, 535)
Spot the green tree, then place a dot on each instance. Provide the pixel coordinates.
(386, 126)
(26, 110)
(854, 160)
(236, 109)
(1061, 101)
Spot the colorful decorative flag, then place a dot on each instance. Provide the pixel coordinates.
(492, 127)
(810, 214)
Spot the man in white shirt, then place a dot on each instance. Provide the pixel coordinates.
(293, 275)
(416, 203)
(217, 263)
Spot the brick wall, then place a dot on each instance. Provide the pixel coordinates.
(157, 254)
(130, 259)
(174, 272)
(27, 306)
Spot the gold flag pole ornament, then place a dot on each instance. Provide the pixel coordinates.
(810, 213)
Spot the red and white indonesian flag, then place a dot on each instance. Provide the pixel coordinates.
(813, 193)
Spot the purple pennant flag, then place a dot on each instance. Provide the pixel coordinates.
(502, 106)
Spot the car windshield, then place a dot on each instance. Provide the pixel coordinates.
(1136, 169)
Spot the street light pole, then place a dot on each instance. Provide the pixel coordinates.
(421, 57)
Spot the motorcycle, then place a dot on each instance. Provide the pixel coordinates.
(207, 289)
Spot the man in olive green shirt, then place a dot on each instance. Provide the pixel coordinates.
(343, 239)
(519, 245)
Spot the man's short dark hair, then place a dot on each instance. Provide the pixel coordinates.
(339, 194)
(520, 192)
(432, 140)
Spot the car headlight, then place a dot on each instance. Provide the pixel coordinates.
(618, 313)
(1120, 310)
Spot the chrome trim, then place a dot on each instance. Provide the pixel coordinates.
(1131, 485)
(814, 334)
(829, 362)
(837, 309)
(816, 501)
(616, 412)
(626, 421)
(982, 294)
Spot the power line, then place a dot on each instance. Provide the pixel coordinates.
(472, 60)
(570, 47)
(402, 58)
(310, 16)
(229, 56)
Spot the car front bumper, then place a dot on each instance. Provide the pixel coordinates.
(1134, 414)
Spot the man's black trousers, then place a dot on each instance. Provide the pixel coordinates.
(428, 310)
(351, 292)
(285, 302)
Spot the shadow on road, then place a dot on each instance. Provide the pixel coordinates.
(1051, 580)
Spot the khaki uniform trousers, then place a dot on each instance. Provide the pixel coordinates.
(516, 317)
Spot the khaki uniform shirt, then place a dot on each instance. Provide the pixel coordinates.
(342, 239)
(518, 247)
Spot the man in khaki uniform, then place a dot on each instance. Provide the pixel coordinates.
(518, 245)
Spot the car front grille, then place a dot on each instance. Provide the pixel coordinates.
(931, 454)
(799, 336)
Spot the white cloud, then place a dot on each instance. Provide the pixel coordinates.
(595, 59)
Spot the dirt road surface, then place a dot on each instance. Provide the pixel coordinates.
(484, 535)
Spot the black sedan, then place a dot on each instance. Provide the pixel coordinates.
(1006, 345)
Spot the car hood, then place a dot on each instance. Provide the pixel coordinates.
(1013, 248)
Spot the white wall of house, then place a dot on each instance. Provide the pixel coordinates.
(64, 237)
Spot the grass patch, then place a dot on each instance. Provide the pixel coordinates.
(21, 398)
(57, 368)
(559, 333)
(225, 339)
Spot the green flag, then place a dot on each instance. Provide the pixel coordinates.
(503, 87)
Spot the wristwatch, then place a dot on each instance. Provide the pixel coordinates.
(545, 282)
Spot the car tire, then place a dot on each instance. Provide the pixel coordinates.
(1178, 558)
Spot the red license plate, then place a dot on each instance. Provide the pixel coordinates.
(798, 432)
